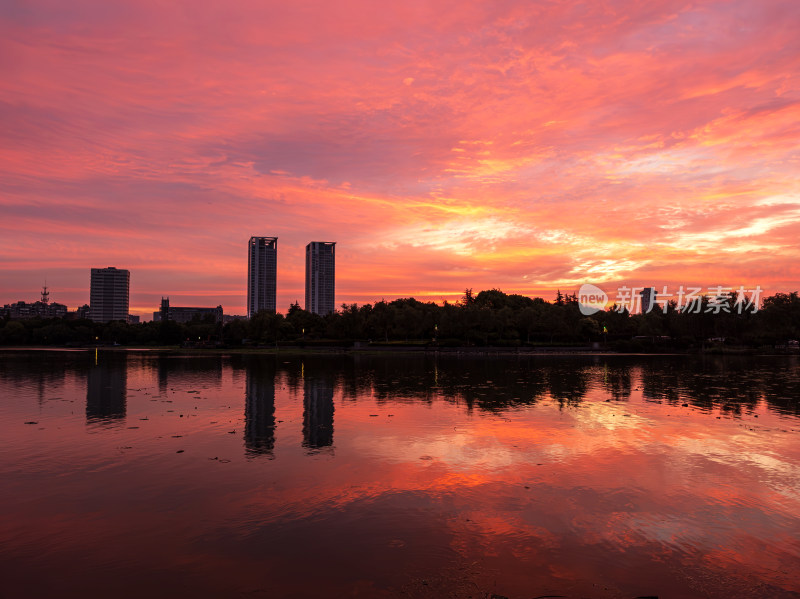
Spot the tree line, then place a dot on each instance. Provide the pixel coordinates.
(488, 318)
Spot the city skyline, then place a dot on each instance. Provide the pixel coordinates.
(524, 146)
(320, 291)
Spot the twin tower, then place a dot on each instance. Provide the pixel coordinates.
(262, 275)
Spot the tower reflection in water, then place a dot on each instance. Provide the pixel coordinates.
(259, 410)
(317, 411)
(106, 388)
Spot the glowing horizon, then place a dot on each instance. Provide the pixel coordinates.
(523, 146)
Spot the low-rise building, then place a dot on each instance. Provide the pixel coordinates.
(185, 314)
(43, 308)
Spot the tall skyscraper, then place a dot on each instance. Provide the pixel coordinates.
(320, 277)
(262, 274)
(109, 294)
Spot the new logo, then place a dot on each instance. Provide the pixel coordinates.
(591, 299)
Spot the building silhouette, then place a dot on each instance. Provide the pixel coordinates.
(43, 308)
(262, 274)
(321, 277)
(109, 294)
(185, 313)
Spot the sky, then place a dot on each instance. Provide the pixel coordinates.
(527, 146)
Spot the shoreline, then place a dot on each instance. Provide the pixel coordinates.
(391, 351)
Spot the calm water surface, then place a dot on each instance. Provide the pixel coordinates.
(144, 475)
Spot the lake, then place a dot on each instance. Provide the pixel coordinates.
(141, 474)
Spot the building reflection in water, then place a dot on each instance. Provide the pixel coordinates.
(317, 411)
(106, 388)
(259, 410)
